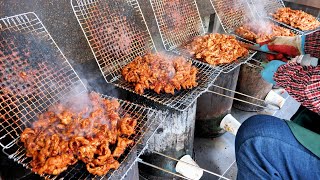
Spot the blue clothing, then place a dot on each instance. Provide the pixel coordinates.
(269, 69)
(267, 149)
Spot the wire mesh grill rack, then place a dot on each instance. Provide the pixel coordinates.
(232, 14)
(33, 72)
(34, 75)
(179, 22)
(266, 8)
(225, 68)
(117, 33)
(236, 13)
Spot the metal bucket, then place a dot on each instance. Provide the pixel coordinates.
(251, 83)
(212, 108)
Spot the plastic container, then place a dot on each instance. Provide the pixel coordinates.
(230, 124)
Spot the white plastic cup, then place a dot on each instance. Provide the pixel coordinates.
(192, 172)
(230, 124)
(275, 99)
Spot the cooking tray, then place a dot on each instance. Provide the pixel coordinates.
(265, 8)
(34, 74)
(117, 33)
(179, 22)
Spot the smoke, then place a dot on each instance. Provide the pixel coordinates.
(174, 14)
(168, 60)
(117, 34)
(254, 17)
(34, 75)
(76, 102)
(36, 71)
(261, 21)
(80, 114)
(180, 21)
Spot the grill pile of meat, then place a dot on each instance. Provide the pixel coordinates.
(94, 134)
(296, 18)
(216, 49)
(160, 73)
(261, 34)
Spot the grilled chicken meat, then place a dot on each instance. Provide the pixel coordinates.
(63, 136)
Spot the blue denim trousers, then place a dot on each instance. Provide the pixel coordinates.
(267, 149)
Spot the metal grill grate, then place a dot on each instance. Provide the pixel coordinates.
(265, 8)
(235, 13)
(232, 14)
(225, 68)
(34, 75)
(179, 22)
(117, 33)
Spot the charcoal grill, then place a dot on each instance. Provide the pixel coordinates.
(34, 75)
(117, 33)
(265, 8)
(234, 14)
(179, 22)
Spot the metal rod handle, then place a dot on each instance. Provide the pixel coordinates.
(189, 164)
(241, 100)
(161, 169)
(255, 60)
(238, 93)
(253, 65)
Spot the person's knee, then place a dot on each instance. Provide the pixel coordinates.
(259, 125)
(256, 121)
(254, 125)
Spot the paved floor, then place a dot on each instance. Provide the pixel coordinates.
(217, 155)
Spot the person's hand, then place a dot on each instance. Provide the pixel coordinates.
(305, 60)
(280, 57)
(269, 69)
(286, 45)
